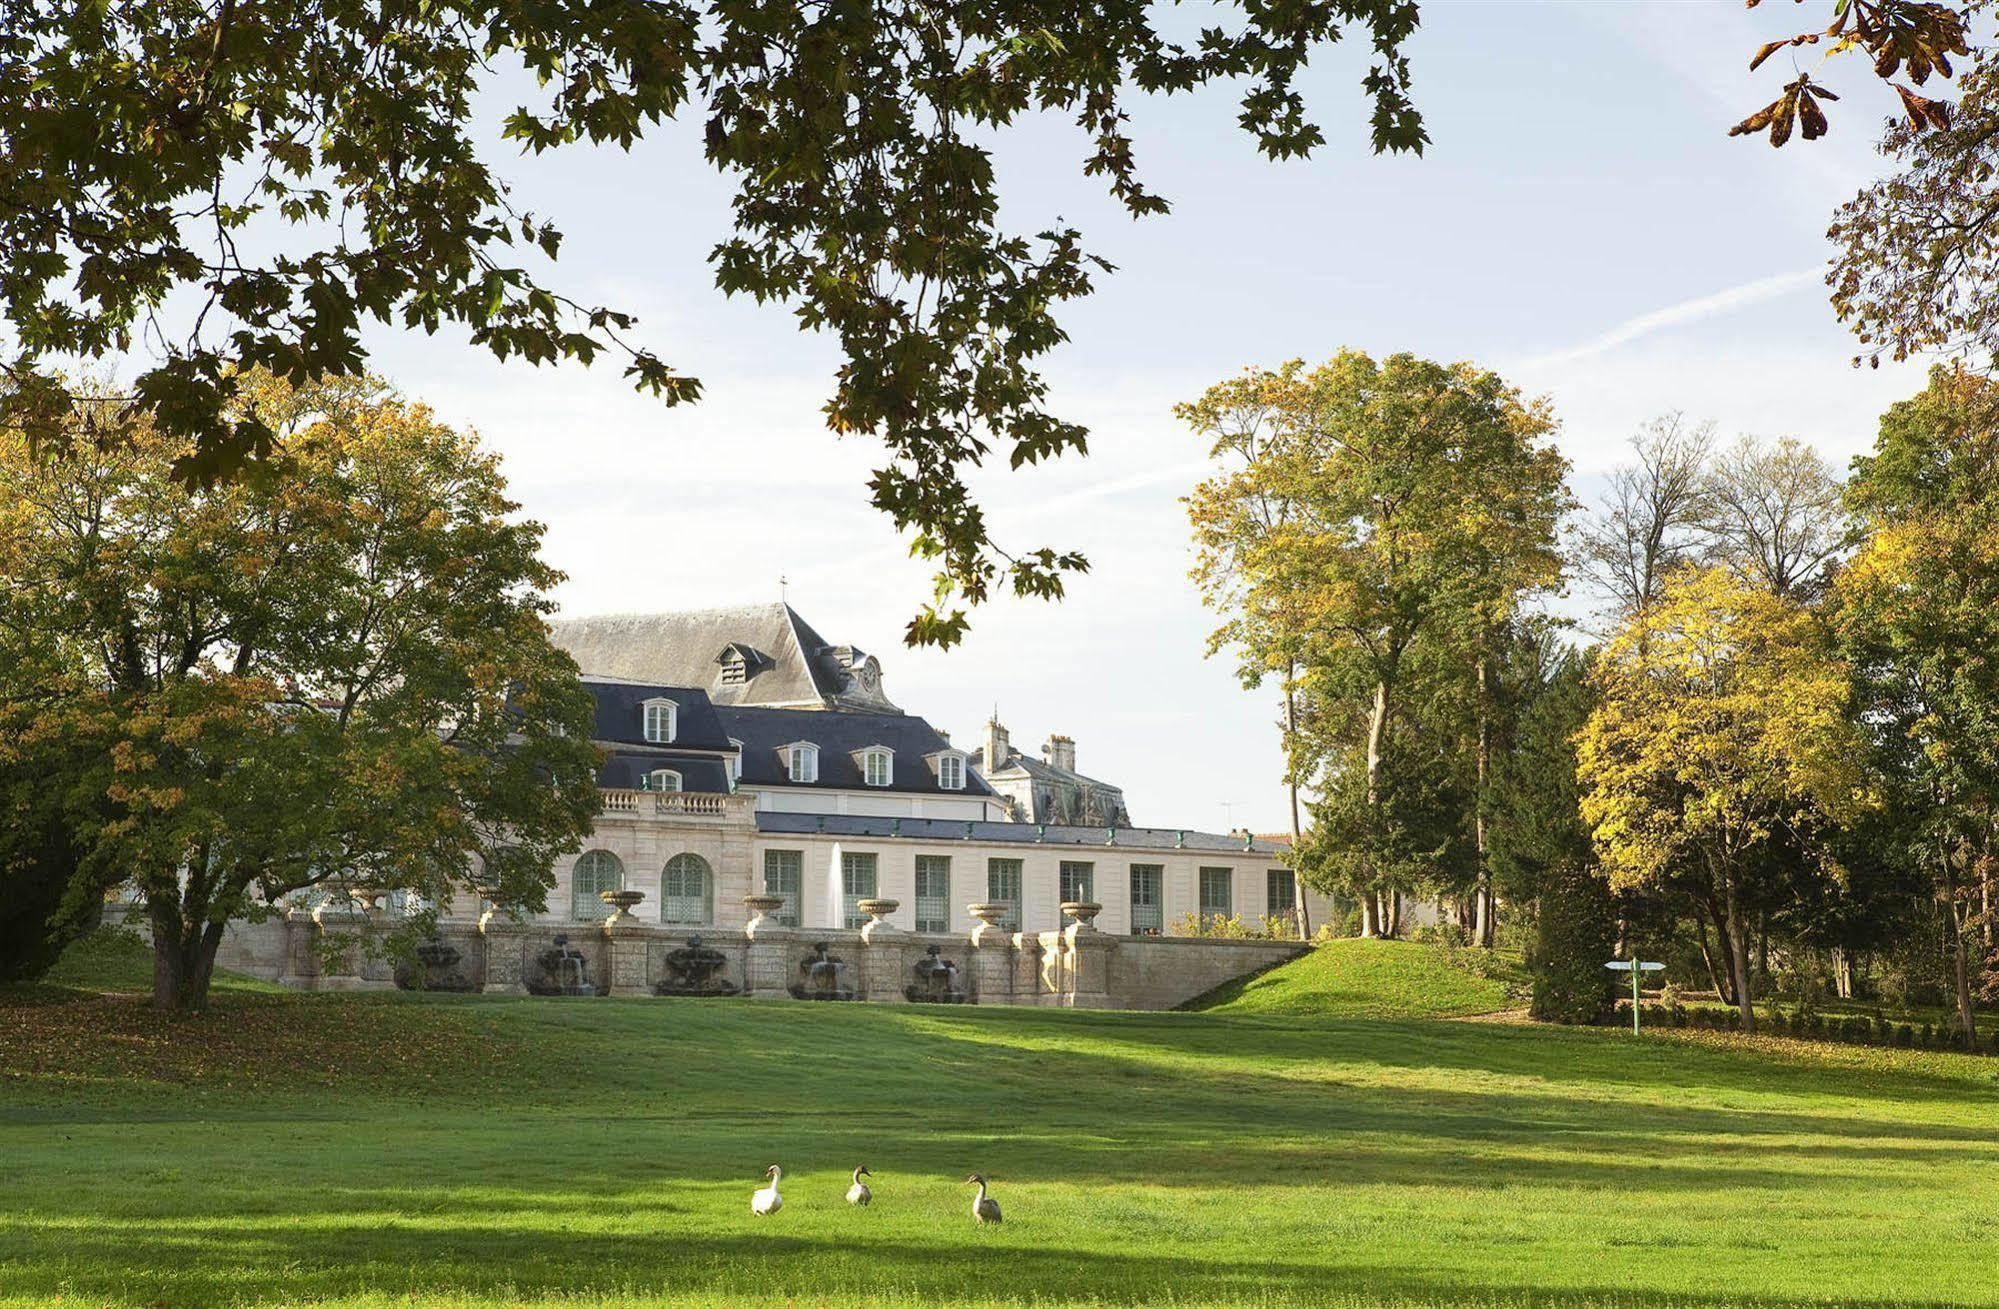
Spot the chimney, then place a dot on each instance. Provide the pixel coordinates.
(1061, 752)
(997, 745)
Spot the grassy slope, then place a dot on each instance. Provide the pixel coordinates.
(110, 960)
(484, 1152)
(1367, 979)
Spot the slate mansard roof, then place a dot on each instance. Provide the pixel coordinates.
(783, 662)
(840, 736)
(698, 751)
(945, 829)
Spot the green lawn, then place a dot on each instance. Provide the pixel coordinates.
(399, 1150)
(1376, 979)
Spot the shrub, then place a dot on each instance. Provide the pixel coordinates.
(1574, 933)
(1676, 1013)
(1905, 1036)
(1927, 1038)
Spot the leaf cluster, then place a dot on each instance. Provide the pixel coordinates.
(231, 185)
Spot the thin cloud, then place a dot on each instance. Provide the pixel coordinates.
(1687, 311)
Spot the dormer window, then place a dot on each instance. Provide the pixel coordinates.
(951, 772)
(736, 761)
(877, 765)
(660, 779)
(737, 662)
(801, 760)
(661, 721)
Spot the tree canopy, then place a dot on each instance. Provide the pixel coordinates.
(334, 675)
(249, 183)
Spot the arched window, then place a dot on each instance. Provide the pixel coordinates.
(596, 872)
(683, 891)
(660, 779)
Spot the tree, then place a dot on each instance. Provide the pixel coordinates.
(1651, 519)
(1720, 731)
(1541, 851)
(1918, 607)
(1775, 515)
(1408, 495)
(253, 182)
(334, 675)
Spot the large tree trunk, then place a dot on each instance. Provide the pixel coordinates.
(1842, 973)
(1482, 903)
(1738, 940)
(1372, 916)
(1724, 974)
(1960, 956)
(183, 956)
(1291, 779)
(1393, 929)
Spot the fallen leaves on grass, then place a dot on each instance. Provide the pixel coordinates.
(75, 1040)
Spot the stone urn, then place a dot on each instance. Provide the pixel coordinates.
(496, 906)
(1084, 912)
(761, 907)
(990, 913)
(622, 903)
(877, 912)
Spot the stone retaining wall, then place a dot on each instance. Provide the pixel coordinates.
(1078, 967)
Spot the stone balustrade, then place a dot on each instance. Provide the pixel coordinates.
(678, 804)
(1078, 966)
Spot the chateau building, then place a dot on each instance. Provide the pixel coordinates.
(766, 807)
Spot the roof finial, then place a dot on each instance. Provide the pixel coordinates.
(782, 582)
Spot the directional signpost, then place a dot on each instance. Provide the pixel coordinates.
(1637, 968)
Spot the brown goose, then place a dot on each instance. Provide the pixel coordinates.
(985, 1209)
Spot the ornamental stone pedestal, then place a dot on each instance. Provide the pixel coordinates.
(627, 940)
(766, 967)
(992, 954)
(505, 945)
(340, 969)
(1086, 959)
(881, 951)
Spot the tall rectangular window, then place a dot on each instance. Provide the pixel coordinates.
(1280, 896)
(875, 767)
(1148, 906)
(1003, 887)
(659, 721)
(784, 874)
(1217, 893)
(933, 893)
(1077, 882)
(857, 883)
(951, 772)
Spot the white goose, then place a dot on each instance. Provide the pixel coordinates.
(985, 1209)
(858, 1193)
(765, 1199)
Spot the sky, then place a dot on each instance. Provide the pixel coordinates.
(1581, 222)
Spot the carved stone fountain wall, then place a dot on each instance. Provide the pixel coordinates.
(1078, 966)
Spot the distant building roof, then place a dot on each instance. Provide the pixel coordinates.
(748, 655)
(945, 829)
(840, 736)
